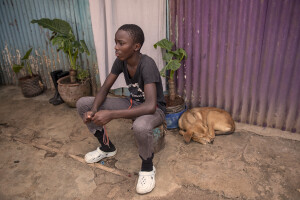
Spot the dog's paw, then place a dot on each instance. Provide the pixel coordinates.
(202, 141)
(211, 140)
(208, 140)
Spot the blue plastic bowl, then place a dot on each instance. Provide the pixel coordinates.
(172, 119)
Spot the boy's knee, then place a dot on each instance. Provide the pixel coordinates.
(82, 104)
(79, 103)
(141, 127)
(83, 101)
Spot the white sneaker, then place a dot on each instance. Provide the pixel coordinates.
(97, 155)
(146, 181)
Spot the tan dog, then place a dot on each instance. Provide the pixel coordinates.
(200, 124)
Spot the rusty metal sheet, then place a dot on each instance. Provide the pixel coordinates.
(18, 35)
(243, 56)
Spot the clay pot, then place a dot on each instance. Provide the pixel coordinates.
(71, 92)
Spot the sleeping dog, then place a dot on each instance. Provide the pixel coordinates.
(202, 124)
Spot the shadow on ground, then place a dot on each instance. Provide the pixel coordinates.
(244, 165)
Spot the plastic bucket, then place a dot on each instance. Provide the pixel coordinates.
(172, 119)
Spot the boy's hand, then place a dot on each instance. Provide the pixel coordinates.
(102, 117)
(88, 116)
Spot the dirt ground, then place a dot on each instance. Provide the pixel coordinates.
(37, 141)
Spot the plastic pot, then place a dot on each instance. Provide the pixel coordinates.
(172, 119)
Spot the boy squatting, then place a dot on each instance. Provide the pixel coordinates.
(146, 103)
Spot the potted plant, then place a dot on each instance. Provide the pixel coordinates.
(30, 84)
(71, 92)
(77, 84)
(175, 103)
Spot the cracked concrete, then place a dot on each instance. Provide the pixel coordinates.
(252, 163)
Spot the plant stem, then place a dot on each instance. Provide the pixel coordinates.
(29, 69)
(172, 89)
(172, 74)
(70, 59)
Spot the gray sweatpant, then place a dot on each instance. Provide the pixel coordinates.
(142, 126)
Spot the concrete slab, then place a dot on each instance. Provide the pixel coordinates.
(252, 163)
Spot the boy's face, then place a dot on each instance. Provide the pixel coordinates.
(125, 46)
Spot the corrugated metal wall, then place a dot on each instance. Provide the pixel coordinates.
(243, 56)
(17, 35)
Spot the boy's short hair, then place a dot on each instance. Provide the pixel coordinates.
(135, 32)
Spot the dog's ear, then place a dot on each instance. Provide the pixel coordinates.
(203, 124)
(197, 115)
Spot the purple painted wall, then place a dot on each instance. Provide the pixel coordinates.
(243, 56)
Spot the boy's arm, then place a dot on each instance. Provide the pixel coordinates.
(100, 97)
(148, 107)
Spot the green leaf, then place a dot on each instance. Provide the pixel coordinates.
(71, 36)
(180, 54)
(76, 44)
(29, 69)
(77, 47)
(165, 44)
(163, 71)
(63, 37)
(27, 54)
(17, 68)
(56, 25)
(83, 44)
(82, 74)
(67, 46)
(173, 65)
(53, 35)
(168, 56)
(59, 41)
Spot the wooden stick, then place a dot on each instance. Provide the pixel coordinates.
(97, 165)
(46, 148)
